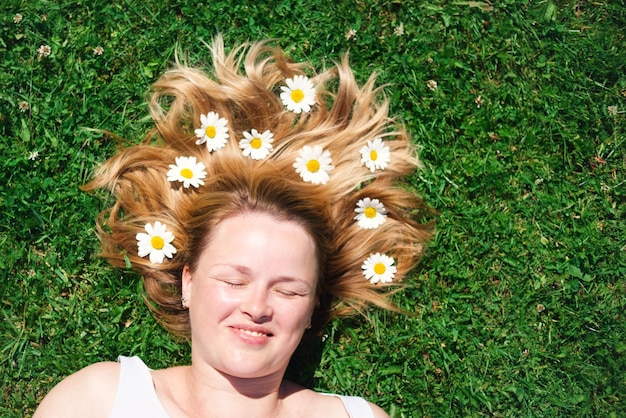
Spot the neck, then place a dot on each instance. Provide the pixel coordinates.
(213, 393)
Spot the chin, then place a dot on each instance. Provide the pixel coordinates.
(241, 373)
(247, 368)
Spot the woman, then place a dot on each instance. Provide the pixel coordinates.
(261, 206)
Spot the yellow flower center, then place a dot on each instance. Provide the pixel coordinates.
(297, 95)
(210, 131)
(186, 173)
(256, 143)
(379, 268)
(373, 155)
(158, 243)
(370, 212)
(313, 166)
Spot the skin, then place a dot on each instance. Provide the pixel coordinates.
(251, 298)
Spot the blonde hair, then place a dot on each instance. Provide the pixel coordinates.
(342, 121)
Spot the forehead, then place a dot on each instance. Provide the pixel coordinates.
(261, 241)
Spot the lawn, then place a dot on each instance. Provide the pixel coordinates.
(518, 109)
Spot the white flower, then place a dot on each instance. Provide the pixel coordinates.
(350, 34)
(33, 155)
(188, 171)
(256, 146)
(17, 18)
(98, 50)
(314, 164)
(399, 30)
(23, 105)
(379, 268)
(299, 95)
(432, 84)
(43, 51)
(156, 243)
(213, 131)
(375, 155)
(371, 213)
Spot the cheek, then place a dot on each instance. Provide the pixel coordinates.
(298, 314)
(210, 302)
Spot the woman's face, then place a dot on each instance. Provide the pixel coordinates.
(252, 295)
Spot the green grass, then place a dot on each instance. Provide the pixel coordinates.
(518, 305)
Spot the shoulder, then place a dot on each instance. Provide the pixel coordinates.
(309, 403)
(378, 411)
(355, 407)
(90, 392)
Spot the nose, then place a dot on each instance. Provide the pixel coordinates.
(256, 304)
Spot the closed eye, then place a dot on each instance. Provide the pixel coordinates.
(288, 293)
(231, 282)
(234, 284)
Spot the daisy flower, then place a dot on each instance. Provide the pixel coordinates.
(188, 171)
(213, 131)
(156, 243)
(375, 155)
(314, 164)
(379, 268)
(371, 213)
(255, 145)
(299, 95)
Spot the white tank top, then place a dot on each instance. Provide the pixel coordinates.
(136, 397)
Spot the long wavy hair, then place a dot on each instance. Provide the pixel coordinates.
(243, 86)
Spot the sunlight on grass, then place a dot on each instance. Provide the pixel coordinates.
(518, 110)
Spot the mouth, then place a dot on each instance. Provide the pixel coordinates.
(254, 333)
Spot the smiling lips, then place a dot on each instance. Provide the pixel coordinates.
(252, 335)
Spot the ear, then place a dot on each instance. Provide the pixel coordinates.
(187, 282)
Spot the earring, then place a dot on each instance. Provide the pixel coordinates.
(183, 302)
(309, 326)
